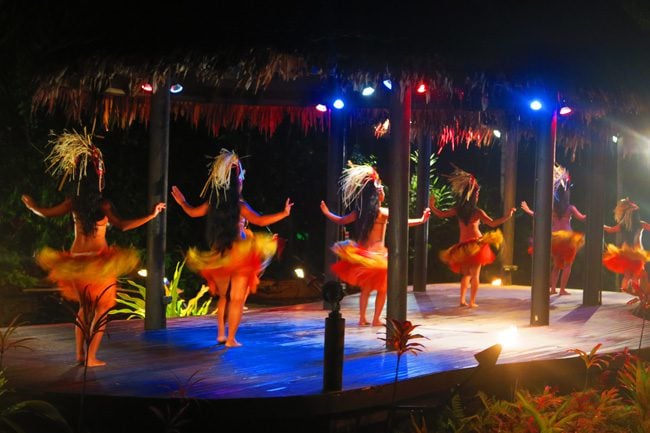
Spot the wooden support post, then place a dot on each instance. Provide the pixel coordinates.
(546, 126)
(509, 153)
(421, 232)
(157, 229)
(398, 188)
(591, 294)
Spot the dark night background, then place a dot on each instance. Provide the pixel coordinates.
(576, 43)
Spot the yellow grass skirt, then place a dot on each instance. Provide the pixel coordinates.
(360, 267)
(249, 256)
(473, 252)
(92, 272)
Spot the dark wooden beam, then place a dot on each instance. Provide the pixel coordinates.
(547, 128)
(595, 210)
(397, 230)
(421, 232)
(157, 229)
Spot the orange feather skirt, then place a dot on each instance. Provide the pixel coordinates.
(473, 252)
(360, 267)
(625, 260)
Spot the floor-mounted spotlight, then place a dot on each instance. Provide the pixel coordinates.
(489, 356)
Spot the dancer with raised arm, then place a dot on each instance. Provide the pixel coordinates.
(565, 243)
(89, 270)
(473, 249)
(235, 259)
(630, 258)
(363, 262)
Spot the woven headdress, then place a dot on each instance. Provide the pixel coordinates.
(219, 177)
(462, 183)
(561, 178)
(354, 179)
(71, 153)
(623, 212)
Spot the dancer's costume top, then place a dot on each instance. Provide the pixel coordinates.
(471, 252)
(357, 266)
(89, 273)
(627, 259)
(250, 254)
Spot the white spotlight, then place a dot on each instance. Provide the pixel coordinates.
(497, 133)
(388, 84)
(142, 272)
(300, 272)
(367, 91)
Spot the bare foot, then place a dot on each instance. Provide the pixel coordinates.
(564, 292)
(377, 323)
(221, 340)
(463, 304)
(553, 292)
(363, 322)
(473, 305)
(233, 343)
(95, 363)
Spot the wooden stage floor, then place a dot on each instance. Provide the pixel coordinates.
(282, 354)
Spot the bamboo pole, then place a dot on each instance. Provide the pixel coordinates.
(421, 232)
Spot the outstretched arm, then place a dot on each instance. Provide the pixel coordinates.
(60, 209)
(129, 224)
(264, 220)
(424, 218)
(525, 208)
(437, 212)
(495, 222)
(645, 225)
(193, 211)
(612, 229)
(338, 219)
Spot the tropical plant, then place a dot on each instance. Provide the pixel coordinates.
(634, 378)
(171, 419)
(591, 359)
(399, 336)
(90, 324)
(133, 300)
(7, 342)
(441, 191)
(13, 416)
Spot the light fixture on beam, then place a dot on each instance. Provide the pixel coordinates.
(321, 107)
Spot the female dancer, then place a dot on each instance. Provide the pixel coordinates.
(235, 258)
(473, 248)
(363, 262)
(88, 272)
(565, 243)
(630, 258)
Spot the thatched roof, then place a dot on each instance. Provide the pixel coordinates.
(262, 78)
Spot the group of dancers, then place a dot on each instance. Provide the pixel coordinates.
(237, 256)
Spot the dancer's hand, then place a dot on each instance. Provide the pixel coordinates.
(28, 201)
(324, 208)
(178, 195)
(158, 208)
(525, 208)
(287, 207)
(425, 215)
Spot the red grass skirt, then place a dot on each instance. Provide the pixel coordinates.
(360, 267)
(93, 272)
(473, 252)
(625, 260)
(249, 256)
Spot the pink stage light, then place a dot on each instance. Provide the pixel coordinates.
(147, 87)
(421, 88)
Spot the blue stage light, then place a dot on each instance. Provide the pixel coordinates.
(367, 91)
(536, 105)
(388, 84)
(176, 88)
(338, 104)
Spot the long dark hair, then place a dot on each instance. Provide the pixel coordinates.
(465, 209)
(222, 228)
(561, 201)
(87, 203)
(367, 207)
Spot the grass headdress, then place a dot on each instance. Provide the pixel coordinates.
(70, 156)
(219, 177)
(353, 179)
(462, 183)
(623, 212)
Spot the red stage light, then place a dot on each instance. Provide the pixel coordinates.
(147, 87)
(421, 88)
